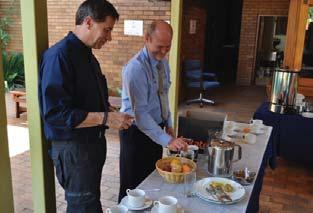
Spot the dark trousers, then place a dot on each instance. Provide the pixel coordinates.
(78, 169)
(138, 155)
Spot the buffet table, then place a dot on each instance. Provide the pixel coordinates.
(292, 136)
(252, 157)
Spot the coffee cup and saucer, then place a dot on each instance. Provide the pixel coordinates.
(136, 200)
(166, 204)
(257, 127)
(117, 209)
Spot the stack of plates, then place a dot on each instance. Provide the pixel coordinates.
(201, 185)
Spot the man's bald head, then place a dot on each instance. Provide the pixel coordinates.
(158, 39)
(159, 26)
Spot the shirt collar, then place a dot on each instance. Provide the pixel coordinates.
(78, 43)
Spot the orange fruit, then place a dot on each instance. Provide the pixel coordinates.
(175, 162)
(186, 168)
(246, 130)
(176, 168)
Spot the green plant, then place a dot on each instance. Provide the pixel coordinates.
(13, 69)
(4, 35)
(310, 13)
(5, 22)
(119, 92)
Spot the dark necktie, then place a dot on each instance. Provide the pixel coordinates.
(161, 91)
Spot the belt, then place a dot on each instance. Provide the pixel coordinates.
(85, 135)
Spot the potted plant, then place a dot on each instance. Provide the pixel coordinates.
(13, 68)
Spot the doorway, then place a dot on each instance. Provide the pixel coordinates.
(222, 38)
(270, 47)
(211, 35)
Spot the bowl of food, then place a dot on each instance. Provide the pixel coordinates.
(201, 144)
(244, 176)
(173, 169)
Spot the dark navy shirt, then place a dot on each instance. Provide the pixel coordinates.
(69, 88)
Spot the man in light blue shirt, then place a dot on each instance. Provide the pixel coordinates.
(146, 82)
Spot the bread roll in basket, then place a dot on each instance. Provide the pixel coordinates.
(163, 166)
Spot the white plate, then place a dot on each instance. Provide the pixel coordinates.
(178, 210)
(147, 204)
(307, 114)
(236, 195)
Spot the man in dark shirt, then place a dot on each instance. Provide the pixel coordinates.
(74, 105)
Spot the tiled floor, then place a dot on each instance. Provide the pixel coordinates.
(289, 188)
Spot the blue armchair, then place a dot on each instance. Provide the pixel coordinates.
(196, 78)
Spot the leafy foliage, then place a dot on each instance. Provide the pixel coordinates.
(310, 13)
(4, 35)
(13, 68)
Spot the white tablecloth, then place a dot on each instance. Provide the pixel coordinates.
(252, 155)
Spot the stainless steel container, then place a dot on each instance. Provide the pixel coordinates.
(221, 157)
(284, 91)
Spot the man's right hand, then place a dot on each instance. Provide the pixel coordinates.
(119, 120)
(177, 144)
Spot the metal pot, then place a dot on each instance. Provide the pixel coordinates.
(221, 157)
(284, 90)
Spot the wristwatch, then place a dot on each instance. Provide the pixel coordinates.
(105, 118)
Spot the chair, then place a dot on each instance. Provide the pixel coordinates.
(195, 77)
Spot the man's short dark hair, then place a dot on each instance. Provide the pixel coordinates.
(98, 10)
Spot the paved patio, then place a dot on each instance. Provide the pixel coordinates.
(287, 189)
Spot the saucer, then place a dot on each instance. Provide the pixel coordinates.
(178, 210)
(259, 132)
(147, 204)
(307, 114)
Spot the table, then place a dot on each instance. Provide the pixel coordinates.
(292, 136)
(252, 158)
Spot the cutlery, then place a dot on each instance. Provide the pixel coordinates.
(223, 194)
(213, 193)
(219, 194)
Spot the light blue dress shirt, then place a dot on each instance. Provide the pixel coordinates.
(140, 95)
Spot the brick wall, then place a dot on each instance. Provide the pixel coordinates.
(15, 30)
(250, 12)
(112, 57)
(116, 53)
(192, 45)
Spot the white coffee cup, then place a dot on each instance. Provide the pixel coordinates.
(257, 122)
(117, 209)
(256, 128)
(136, 197)
(195, 150)
(166, 204)
(250, 138)
(230, 125)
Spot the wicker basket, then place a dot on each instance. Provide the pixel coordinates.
(174, 177)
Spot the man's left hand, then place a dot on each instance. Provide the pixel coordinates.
(119, 120)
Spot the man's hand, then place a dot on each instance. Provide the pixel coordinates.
(119, 120)
(177, 144)
(170, 131)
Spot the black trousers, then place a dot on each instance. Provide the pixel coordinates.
(138, 155)
(78, 167)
